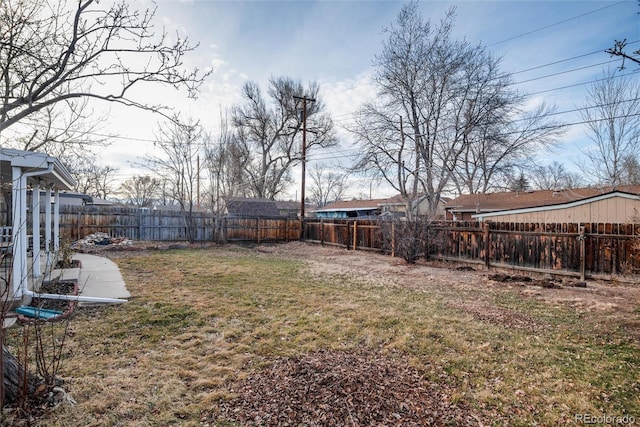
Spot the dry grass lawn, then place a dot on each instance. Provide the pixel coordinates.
(206, 328)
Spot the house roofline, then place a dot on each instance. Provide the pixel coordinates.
(568, 205)
(346, 209)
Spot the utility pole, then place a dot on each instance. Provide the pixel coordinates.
(304, 99)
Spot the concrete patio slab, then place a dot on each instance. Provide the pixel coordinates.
(100, 277)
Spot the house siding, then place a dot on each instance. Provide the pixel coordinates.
(612, 210)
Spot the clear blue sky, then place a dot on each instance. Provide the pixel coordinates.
(552, 47)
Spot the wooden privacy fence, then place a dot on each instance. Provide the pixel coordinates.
(171, 225)
(135, 223)
(569, 249)
(351, 234)
(259, 230)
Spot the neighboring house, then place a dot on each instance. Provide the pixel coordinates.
(420, 206)
(582, 205)
(289, 208)
(351, 209)
(613, 207)
(249, 207)
(75, 199)
(68, 199)
(94, 201)
(393, 206)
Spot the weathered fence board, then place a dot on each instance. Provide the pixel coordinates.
(135, 223)
(554, 248)
(260, 230)
(359, 234)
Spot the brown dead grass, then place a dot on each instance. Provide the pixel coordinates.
(210, 332)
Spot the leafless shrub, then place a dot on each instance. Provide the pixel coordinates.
(31, 361)
(407, 238)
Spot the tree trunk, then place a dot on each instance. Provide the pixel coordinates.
(14, 379)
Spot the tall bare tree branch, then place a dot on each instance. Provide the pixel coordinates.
(269, 133)
(58, 52)
(613, 125)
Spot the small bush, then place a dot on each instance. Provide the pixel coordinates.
(407, 238)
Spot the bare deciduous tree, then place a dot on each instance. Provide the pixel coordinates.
(554, 176)
(499, 149)
(327, 186)
(613, 126)
(445, 114)
(619, 49)
(268, 133)
(67, 129)
(179, 145)
(56, 52)
(140, 191)
(631, 171)
(225, 163)
(91, 178)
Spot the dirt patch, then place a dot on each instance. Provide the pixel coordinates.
(330, 388)
(382, 269)
(501, 316)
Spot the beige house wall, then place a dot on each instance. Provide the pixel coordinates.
(611, 210)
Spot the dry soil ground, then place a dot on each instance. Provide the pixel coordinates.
(611, 296)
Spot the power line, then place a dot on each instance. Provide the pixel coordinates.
(556, 24)
(581, 84)
(547, 90)
(126, 138)
(560, 61)
(563, 72)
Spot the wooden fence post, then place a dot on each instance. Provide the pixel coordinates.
(583, 261)
(224, 224)
(348, 235)
(286, 227)
(258, 230)
(355, 235)
(321, 231)
(487, 246)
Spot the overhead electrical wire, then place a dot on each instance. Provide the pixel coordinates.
(335, 154)
(493, 44)
(556, 23)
